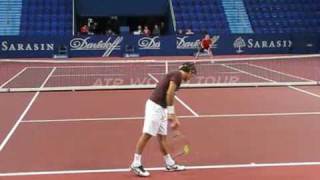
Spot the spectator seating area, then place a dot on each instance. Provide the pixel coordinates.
(200, 16)
(284, 16)
(54, 17)
(46, 17)
(10, 12)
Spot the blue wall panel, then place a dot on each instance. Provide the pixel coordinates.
(98, 46)
(121, 7)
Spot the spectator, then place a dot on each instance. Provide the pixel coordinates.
(189, 32)
(162, 27)
(205, 45)
(90, 22)
(138, 31)
(95, 27)
(146, 31)
(156, 30)
(180, 32)
(92, 26)
(114, 24)
(84, 29)
(109, 32)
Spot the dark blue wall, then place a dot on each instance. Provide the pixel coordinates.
(121, 7)
(97, 46)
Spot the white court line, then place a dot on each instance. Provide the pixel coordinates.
(125, 170)
(159, 73)
(156, 65)
(73, 67)
(181, 117)
(178, 99)
(290, 75)
(85, 75)
(12, 78)
(304, 91)
(5, 141)
(80, 67)
(245, 72)
(226, 72)
(187, 106)
(223, 59)
(279, 72)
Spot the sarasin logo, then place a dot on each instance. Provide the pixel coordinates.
(240, 43)
(149, 43)
(7, 46)
(183, 43)
(109, 45)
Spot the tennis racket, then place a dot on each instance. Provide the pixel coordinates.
(178, 143)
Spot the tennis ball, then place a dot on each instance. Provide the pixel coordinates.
(186, 149)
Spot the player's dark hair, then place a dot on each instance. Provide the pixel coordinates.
(188, 67)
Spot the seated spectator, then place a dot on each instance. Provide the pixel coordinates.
(162, 27)
(84, 29)
(205, 46)
(180, 32)
(146, 31)
(109, 32)
(114, 24)
(138, 31)
(156, 31)
(92, 26)
(189, 32)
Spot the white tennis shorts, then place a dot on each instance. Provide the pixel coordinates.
(155, 119)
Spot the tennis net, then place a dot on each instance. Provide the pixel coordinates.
(46, 75)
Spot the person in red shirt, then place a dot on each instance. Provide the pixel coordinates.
(205, 45)
(146, 31)
(84, 29)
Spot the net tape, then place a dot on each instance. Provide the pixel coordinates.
(62, 75)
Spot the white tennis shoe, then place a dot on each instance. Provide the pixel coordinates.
(175, 167)
(139, 171)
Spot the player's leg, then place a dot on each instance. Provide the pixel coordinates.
(198, 51)
(136, 166)
(150, 128)
(210, 52)
(142, 142)
(164, 148)
(197, 54)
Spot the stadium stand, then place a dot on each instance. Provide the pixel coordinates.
(46, 17)
(201, 16)
(237, 16)
(54, 17)
(283, 16)
(10, 12)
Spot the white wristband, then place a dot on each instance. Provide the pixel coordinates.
(170, 109)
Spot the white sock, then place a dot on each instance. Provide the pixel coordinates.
(136, 160)
(168, 159)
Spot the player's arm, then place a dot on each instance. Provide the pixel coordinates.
(170, 93)
(211, 43)
(170, 108)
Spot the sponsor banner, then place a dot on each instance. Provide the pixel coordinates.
(188, 45)
(309, 43)
(249, 44)
(152, 46)
(14, 47)
(146, 46)
(102, 46)
(97, 46)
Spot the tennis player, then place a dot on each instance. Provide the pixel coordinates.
(205, 46)
(159, 109)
